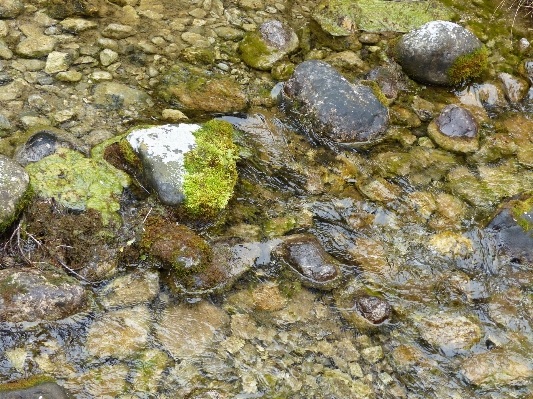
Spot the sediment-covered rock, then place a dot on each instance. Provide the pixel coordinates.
(14, 191)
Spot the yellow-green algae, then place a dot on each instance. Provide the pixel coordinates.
(26, 383)
(519, 208)
(211, 169)
(469, 66)
(79, 183)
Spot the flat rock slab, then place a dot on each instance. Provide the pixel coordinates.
(14, 184)
(331, 109)
(33, 295)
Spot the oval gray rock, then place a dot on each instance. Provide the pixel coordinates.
(455, 129)
(441, 53)
(332, 110)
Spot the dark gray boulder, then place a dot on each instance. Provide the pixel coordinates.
(33, 295)
(14, 191)
(332, 110)
(46, 390)
(441, 53)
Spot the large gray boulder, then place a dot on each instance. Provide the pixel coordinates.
(441, 53)
(35, 295)
(14, 191)
(332, 110)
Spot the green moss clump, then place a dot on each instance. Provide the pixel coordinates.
(254, 51)
(211, 169)
(9, 288)
(79, 183)
(377, 91)
(26, 383)
(469, 66)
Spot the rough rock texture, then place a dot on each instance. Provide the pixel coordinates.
(195, 89)
(441, 53)
(331, 109)
(376, 310)
(497, 368)
(68, 8)
(455, 129)
(11, 8)
(39, 391)
(34, 295)
(162, 155)
(14, 191)
(130, 289)
(512, 228)
(449, 332)
(263, 48)
(305, 258)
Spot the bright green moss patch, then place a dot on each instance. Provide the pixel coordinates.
(469, 66)
(211, 169)
(79, 183)
(521, 207)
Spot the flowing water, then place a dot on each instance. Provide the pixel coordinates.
(406, 222)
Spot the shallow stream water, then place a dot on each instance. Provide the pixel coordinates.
(395, 216)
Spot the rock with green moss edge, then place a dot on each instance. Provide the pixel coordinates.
(191, 88)
(269, 44)
(512, 227)
(15, 191)
(38, 386)
(189, 164)
(79, 183)
(337, 17)
(441, 53)
(455, 129)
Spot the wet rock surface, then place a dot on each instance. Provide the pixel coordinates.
(272, 42)
(32, 295)
(14, 185)
(376, 310)
(435, 53)
(305, 257)
(455, 129)
(44, 390)
(336, 112)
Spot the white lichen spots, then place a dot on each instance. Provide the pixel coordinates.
(156, 140)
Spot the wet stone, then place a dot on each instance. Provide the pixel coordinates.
(130, 289)
(331, 110)
(376, 310)
(441, 53)
(34, 295)
(304, 257)
(14, 185)
(44, 142)
(61, 9)
(116, 96)
(37, 391)
(36, 46)
(118, 31)
(11, 8)
(449, 332)
(455, 129)
(515, 88)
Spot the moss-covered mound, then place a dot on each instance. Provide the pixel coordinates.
(211, 169)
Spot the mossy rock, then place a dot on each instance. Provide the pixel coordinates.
(15, 191)
(79, 183)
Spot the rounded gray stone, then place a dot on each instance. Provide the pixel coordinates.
(426, 54)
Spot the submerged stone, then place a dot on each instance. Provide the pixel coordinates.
(441, 53)
(455, 129)
(195, 89)
(33, 295)
(33, 388)
(116, 96)
(337, 17)
(375, 309)
(270, 43)
(303, 256)
(331, 109)
(449, 332)
(512, 227)
(14, 191)
(497, 368)
(131, 289)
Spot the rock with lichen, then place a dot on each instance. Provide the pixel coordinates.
(14, 191)
(441, 53)
(272, 41)
(189, 164)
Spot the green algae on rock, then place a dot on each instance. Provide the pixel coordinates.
(15, 191)
(469, 66)
(79, 183)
